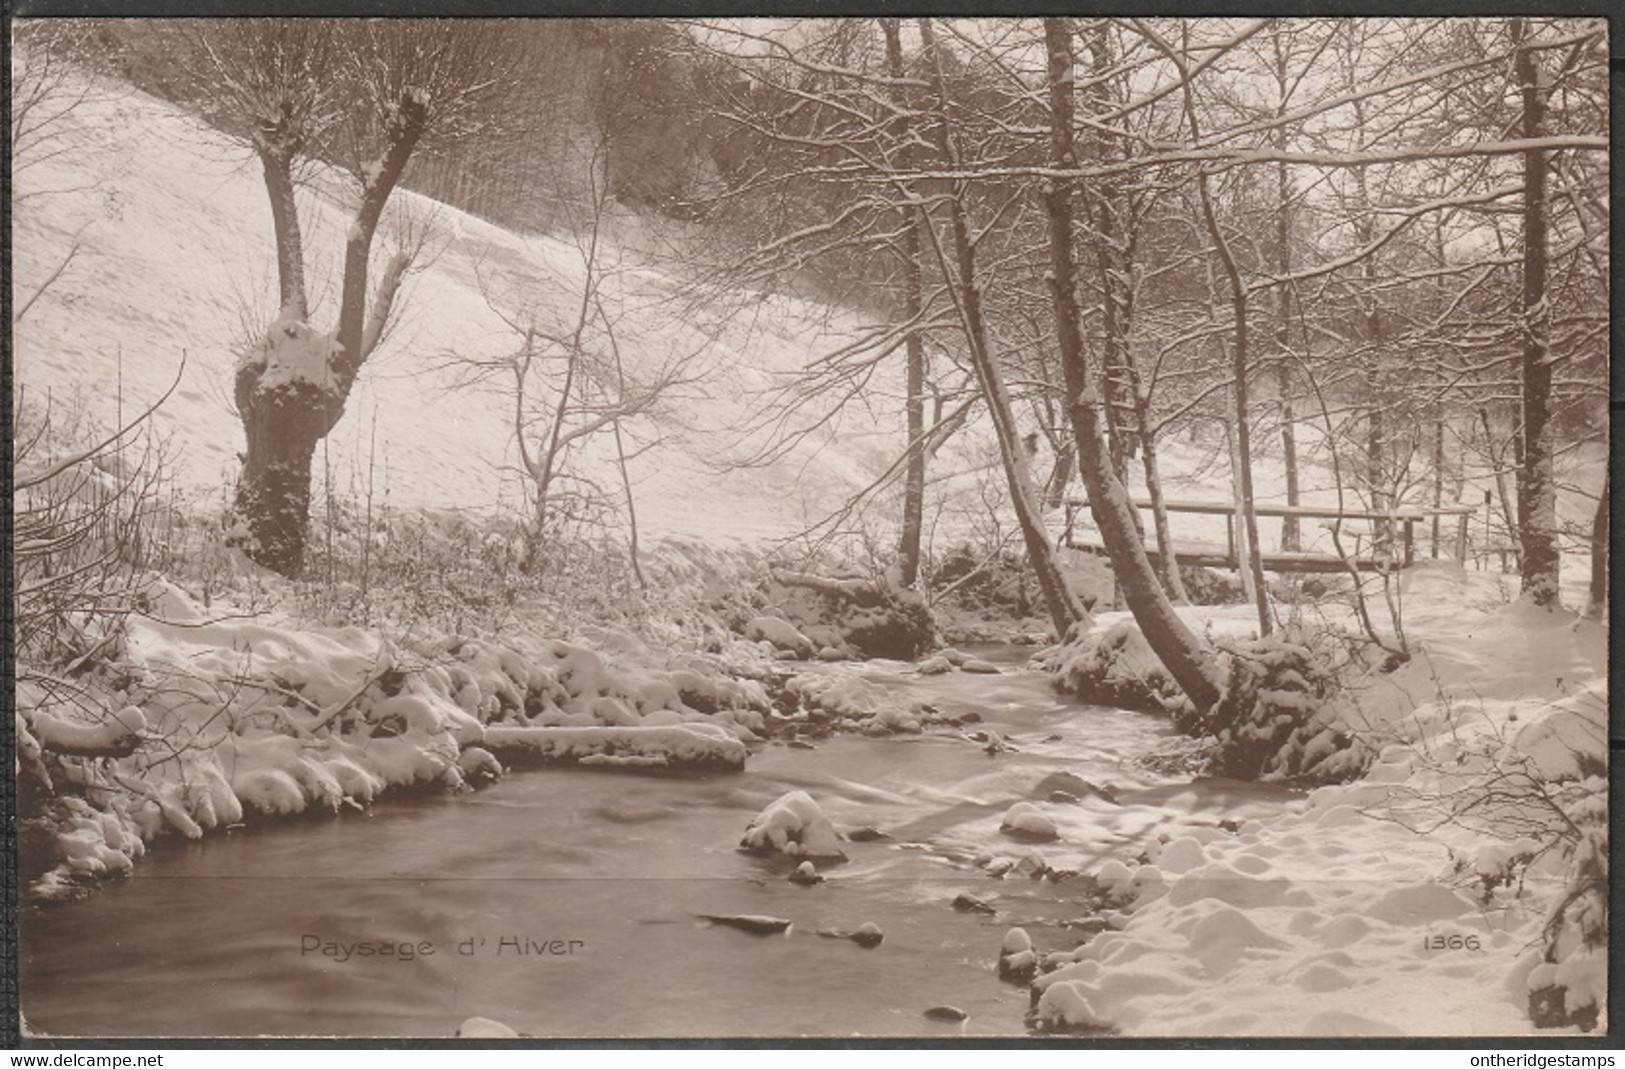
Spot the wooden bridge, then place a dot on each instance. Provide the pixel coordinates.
(1370, 552)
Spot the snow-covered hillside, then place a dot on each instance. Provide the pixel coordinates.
(165, 231)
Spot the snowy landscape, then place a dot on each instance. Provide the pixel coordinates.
(811, 528)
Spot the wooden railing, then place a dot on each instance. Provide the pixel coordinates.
(1378, 554)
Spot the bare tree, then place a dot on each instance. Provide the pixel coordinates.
(566, 381)
(1537, 482)
(838, 115)
(364, 95)
(1185, 656)
(913, 285)
(49, 83)
(1065, 608)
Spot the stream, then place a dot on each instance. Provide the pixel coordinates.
(567, 902)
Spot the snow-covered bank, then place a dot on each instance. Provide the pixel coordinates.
(226, 717)
(1462, 880)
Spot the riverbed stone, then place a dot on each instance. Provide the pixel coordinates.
(779, 633)
(867, 935)
(966, 903)
(806, 875)
(1028, 823)
(755, 924)
(1018, 961)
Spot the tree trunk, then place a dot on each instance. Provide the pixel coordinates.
(1291, 540)
(1498, 466)
(403, 132)
(1065, 609)
(1247, 516)
(1131, 428)
(276, 160)
(1181, 651)
(283, 418)
(908, 550)
(1376, 434)
(1172, 581)
(287, 412)
(1438, 480)
(1537, 484)
(1101, 208)
(1061, 474)
(1597, 603)
(1376, 399)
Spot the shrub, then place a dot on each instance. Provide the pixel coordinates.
(1277, 716)
(83, 520)
(854, 615)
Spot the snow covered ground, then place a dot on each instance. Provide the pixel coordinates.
(165, 229)
(1386, 906)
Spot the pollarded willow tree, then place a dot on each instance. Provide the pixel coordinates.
(363, 96)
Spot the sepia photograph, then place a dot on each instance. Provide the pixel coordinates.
(810, 528)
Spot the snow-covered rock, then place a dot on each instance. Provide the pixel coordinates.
(1113, 665)
(687, 746)
(479, 765)
(842, 695)
(1065, 1007)
(1018, 961)
(1027, 822)
(794, 825)
(780, 634)
(1180, 856)
(806, 875)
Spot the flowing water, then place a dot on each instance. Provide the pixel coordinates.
(568, 903)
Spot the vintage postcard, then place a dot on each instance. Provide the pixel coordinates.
(939, 527)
